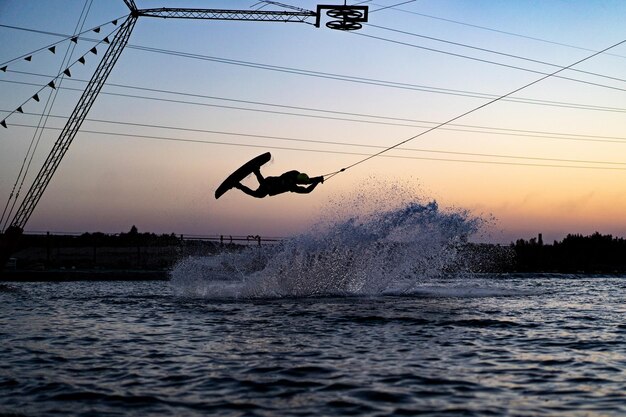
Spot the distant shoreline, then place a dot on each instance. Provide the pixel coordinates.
(146, 256)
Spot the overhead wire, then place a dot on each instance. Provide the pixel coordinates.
(164, 51)
(487, 61)
(350, 78)
(615, 165)
(66, 38)
(380, 120)
(330, 175)
(533, 38)
(405, 86)
(491, 51)
(393, 6)
(170, 92)
(339, 76)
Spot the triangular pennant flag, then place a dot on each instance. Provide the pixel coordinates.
(67, 72)
(94, 51)
(36, 97)
(51, 84)
(52, 49)
(106, 40)
(114, 22)
(97, 30)
(4, 69)
(82, 60)
(4, 124)
(19, 110)
(28, 58)
(75, 39)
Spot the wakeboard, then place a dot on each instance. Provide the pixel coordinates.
(241, 173)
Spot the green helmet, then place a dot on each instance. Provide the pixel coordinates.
(302, 178)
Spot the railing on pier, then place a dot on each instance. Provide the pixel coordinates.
(125, 250)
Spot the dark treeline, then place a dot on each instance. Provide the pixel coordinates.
(576, 253)
(131, 238)
(130, 250)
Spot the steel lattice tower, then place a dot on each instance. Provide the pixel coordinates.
(346, 18)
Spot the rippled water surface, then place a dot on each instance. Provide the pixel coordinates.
(532, 345)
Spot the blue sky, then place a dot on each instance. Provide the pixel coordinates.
(537, 163)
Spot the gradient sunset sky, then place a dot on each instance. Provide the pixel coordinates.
(189, 101)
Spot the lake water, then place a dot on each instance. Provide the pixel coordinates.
(496, 345)
(370, 315)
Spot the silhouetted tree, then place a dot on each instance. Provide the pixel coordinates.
(596, 253)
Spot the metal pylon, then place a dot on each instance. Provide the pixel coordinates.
(74, 122)
(349, 17)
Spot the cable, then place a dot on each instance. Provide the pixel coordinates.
(501, 31)
(434, 90)
(339, 76)
(393, 6)
(60, 76)
(439, 51)
(265, 146)
(460, 127)
(197, 103)
(344, 77)
(67, 37)
(493, 52)
(474, 110)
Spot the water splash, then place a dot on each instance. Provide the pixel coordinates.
(388, 251)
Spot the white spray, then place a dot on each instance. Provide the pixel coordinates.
(389, 247)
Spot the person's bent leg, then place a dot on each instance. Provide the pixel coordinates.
(259, 177)
(258, 193)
